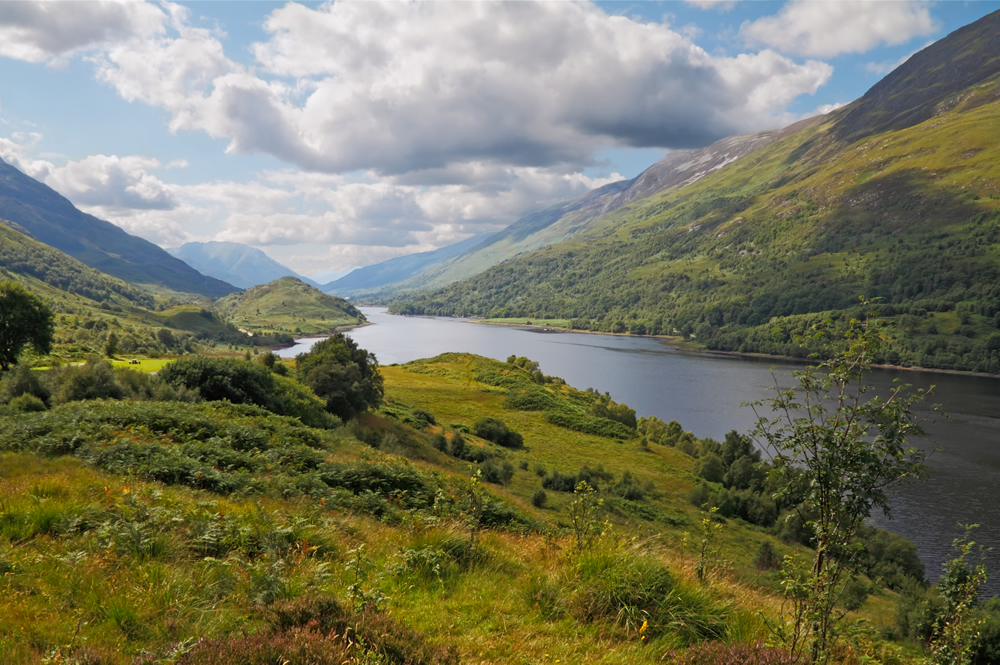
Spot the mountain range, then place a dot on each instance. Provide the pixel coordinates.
(894, 197)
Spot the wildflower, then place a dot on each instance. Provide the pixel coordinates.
(642, 630)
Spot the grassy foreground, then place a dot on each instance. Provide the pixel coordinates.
(164, 532)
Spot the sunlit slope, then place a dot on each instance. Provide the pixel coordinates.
(288, 304)
(804, 225)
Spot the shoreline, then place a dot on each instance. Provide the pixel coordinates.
(681, 345)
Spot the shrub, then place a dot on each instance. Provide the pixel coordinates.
(93, 380)
(23, 381)
(539, 498)
(343, 375)
(710, 468)
(426, 416)
(496, 431)
(440, 442)
(458, 446)
(27, 404)
(532, 399)
(595, 426)
(767, 558)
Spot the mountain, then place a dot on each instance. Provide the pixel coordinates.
(894, 196)
(290, 305)
(50, 218)
(565, 220)
(325, 277)
(57, 277)
(390, 273)
(235, 263)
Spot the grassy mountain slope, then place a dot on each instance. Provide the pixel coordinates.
(752, 255)
(288, 304)
(565, 220)
(90, 305)
(196, 533)
(234, 263)
(53, 220)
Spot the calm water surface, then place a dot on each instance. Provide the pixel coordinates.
(704, 393)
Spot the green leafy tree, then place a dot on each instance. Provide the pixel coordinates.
(842, 451)
(342, 374)
(24, 320)
(955, 630)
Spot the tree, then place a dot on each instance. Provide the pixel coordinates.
(24, 320)
(842, 452)
(344, 375)
(955, 630)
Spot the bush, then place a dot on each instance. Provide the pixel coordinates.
(496, 431)
(710, 468)
(539, 498)
(532, 399)
(93, 380)
(440, 442)
(343, 375)
(22, 381)
(595, 426)
(767, 558)
(27, 404)
(458, 447)
(247, 382)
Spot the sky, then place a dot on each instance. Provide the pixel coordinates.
(341, 134)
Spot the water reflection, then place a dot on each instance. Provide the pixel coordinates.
(704, 393)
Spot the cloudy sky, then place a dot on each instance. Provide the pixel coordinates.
(344, 133)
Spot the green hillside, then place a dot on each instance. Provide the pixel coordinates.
(171, 532)
(750, 257)
(52, 219)
(288, 304)
(91, 306)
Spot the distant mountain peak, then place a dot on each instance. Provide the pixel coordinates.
(241, 265)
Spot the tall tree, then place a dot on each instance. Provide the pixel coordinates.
(843, 451)
(24, 320)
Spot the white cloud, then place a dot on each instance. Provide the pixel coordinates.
(826, 28)
(112, 183)
(716, 5)
(400, 87)
(50, 31)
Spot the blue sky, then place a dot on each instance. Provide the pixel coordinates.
(340, 134)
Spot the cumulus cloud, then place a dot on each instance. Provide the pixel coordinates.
(399, 87)
(827, 29)
(112, 182)
(52, 31)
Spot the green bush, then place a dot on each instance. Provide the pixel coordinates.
(595, 426)
(498, 432)
(539, 498)
(531, 399)
(342, 374)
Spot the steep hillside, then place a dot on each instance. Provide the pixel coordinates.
(799, 229)
(289, 305)
(54, 275)
(564, 221)
(53, 220)
(234, 263)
